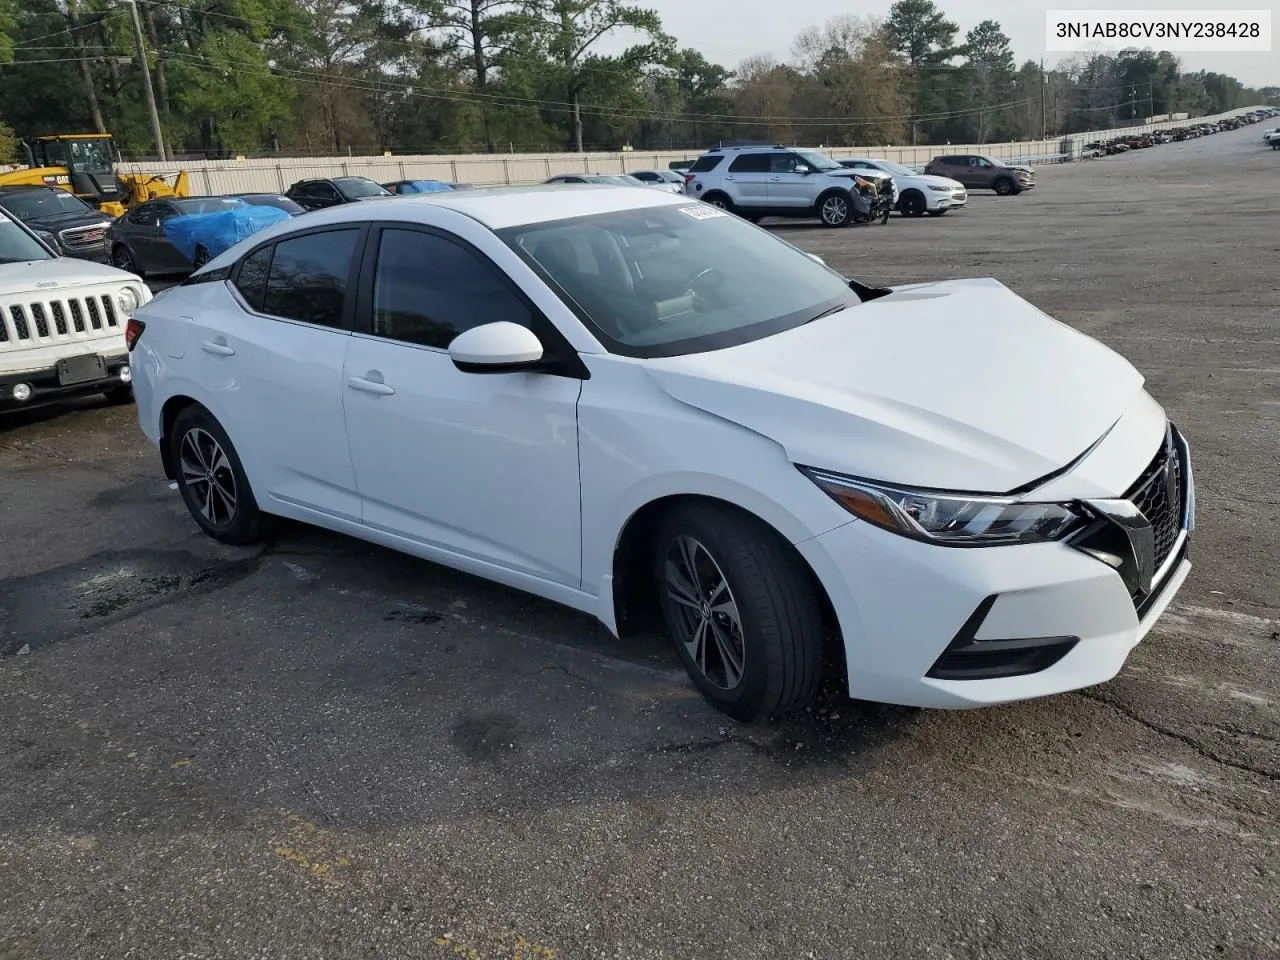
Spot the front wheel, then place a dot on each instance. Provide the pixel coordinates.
(1004, 186)
(122, 259)
(212, 480)
(743, 611)
(835, 210)
(912, 204)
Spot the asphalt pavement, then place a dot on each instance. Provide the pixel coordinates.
(319, 748)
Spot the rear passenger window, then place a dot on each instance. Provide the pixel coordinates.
(750, 163)
(427, 290)
(252, 280)
(704, 164)
(308, 277)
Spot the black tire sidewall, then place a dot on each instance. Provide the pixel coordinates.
(913, 205)
(1003, 187)
(734, 544)
(244, 526)
(123, 253)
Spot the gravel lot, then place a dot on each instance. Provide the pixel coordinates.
(324, 749)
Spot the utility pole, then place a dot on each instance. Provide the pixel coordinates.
(146, 79)
(1043, 82)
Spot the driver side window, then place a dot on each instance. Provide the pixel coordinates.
(427, 290)
(786, 163)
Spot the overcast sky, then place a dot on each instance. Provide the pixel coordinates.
(727, 31)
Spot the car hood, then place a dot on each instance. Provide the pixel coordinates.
(46, 276)
(1017, 166)
(929, 178)
(65, 221)
(956, 385)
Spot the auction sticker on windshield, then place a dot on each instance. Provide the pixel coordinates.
(703, 212)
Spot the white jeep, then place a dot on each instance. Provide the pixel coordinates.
(62, 322)
(757, 182)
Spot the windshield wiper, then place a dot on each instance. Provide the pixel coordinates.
(828, 312)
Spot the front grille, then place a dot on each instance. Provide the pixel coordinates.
(71, 318)
(77, 238)
(1161, 496)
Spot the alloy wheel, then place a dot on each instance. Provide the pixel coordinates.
(708, 621)
(207, 473)
(835, 211)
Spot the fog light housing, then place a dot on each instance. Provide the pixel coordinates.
(21, 392)
(126, 374)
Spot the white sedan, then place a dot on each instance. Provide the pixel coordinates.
(613, 397)
(918, 193)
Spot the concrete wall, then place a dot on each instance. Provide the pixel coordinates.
(271, 174)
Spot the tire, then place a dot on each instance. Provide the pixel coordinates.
(122, 259)
(835, 209)
(720, 200)
(1004, 186)
(195, 440)
(912, 204)
(778, 639)
(119, 396)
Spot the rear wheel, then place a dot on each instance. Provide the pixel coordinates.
(212, 480)
(743, 611)
(719, 200)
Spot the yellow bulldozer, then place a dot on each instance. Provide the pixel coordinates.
(83, 164)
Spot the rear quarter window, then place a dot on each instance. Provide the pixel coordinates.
(705, 164)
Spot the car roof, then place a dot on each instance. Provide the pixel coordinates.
(501, 207)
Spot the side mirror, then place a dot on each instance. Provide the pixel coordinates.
(500, 347)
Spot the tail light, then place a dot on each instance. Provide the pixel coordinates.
(132, 332)
(688, 178)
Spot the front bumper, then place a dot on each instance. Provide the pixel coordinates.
(947, 627)
(48, 383)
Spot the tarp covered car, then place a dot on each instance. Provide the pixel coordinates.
(202, 236)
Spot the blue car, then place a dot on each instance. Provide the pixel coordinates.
(405, 187)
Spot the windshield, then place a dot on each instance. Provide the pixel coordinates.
(357, 187)
(818, 161)
(271, 200)
(90, 155)
(43, 203)
(18, 246)
(205, 205)
(669, 280)
(897, 169)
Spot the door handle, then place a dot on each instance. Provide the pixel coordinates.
(217, 349)
(774, 179)
(370, 386)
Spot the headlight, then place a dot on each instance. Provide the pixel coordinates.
(949, 519)
(938, 189)
(127, 301)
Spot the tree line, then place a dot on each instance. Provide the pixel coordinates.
(319, 77)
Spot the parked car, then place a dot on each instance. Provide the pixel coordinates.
(277, 200)
(980, 172)
(757, 182)
(916, 193)
(702, 418)
(62, 322)
(617, 180)
(400, 187)
(138, 242)
(668, 180)
(62, 220)
(332, 191)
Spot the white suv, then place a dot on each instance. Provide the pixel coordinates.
(757, 182)
(62, 322)
(918, 193)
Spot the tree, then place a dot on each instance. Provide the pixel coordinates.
(922, 35)
(7, 24)
(852, 73)
(989, 73)
(570, 30)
